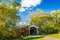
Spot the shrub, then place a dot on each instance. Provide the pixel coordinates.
(49, 30)
(22, 32)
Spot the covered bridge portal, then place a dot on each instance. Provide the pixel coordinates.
(33, 30)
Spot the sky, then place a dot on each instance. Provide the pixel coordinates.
(28, 6)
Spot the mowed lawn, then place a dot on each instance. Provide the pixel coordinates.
(55, 36)
(33, 38)
(39, 39)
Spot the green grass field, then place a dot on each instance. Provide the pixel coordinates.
(55, 36)
(33, 38)
(37, 38)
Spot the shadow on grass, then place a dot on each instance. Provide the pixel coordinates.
(30, 38)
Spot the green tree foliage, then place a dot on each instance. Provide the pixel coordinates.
(8, 19)
(37, 13)
(56, 14)
(44, 21)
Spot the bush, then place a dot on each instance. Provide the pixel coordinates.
(22, 32)
(49, 30)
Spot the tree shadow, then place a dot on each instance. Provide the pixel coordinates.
(31, 38)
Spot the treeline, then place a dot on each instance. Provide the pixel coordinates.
(48, 23)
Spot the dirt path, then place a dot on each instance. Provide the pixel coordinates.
(49, 38)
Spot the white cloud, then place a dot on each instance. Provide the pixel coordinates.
(25, 4)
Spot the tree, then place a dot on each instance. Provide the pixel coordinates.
(8, 19)
(37, 18)
(43, 20)
(38, 13)
(56, 15)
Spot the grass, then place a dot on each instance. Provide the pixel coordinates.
(55, 36)
(37, 38)
(33, 38)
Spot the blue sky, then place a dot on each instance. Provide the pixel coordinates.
(45, 5)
